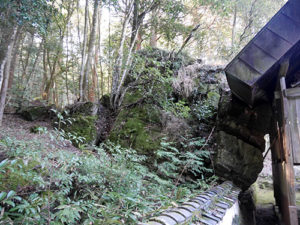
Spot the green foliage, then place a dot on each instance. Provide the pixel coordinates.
(78, 129)
(153, 70)
(35, 13)
(108, 185)
(62, 118)
(39, 130)
(204, 110)
(171, 162)
(179, 109)
(81, 130)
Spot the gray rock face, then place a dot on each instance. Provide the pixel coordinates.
(248, 124)
(241, 140)
(237, 160)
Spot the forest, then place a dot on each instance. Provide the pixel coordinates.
(108, 107)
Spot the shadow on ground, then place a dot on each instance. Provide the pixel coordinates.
(265, 215)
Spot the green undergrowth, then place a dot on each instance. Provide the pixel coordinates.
(106, 185)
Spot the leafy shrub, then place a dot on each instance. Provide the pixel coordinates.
(62, 123)
(106, 185)
(175, 162)
(38, 130)
(204, 110)
(179, 109)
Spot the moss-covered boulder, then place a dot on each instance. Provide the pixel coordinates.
(32, 113)
(80, 121)
(83, 108)
(82, 126)
(138, 128)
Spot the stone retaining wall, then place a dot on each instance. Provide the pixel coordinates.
(217, 206)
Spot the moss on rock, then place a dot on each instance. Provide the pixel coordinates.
(83, 126)
(138, 128)
(132, 97)
(83, 108)
(32, 113)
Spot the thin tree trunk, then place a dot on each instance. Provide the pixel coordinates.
(99, 54)
(67, 66)
(233, 26)
(6, 74)
(83, 62)
(25, 62)
(109, 86)
(73, 74)
(135, 20)
(188, 39)
(2, 72)
(31, 72)
(153, 37)
(91, 46)
(93, 87)
(117, 101)
(78, 23)
(6, 34)
(14, 59)
(119, 61)
(45, 72)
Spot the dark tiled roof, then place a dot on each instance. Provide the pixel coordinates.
(252, 74)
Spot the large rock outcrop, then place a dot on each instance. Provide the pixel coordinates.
(171, 99)
(241, 142)
(37, 111)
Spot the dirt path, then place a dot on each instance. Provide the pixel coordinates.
(16, 127)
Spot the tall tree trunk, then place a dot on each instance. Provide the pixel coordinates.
(99, 55)
(14, 58)
(139, 42)
(82, 79)
(67, 65)
(233, 26)
(45, 72)
(135, 20)
(118, 99)
(3, 90)
(93, 86)
(6, 34)
(30, 74)
(153, 37)
(91, 46)
(25, 62)
(109, 85)
(119, 61)
(75, 88)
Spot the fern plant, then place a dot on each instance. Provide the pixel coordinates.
(105, 185)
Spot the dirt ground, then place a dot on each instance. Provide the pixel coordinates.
(14, 126)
